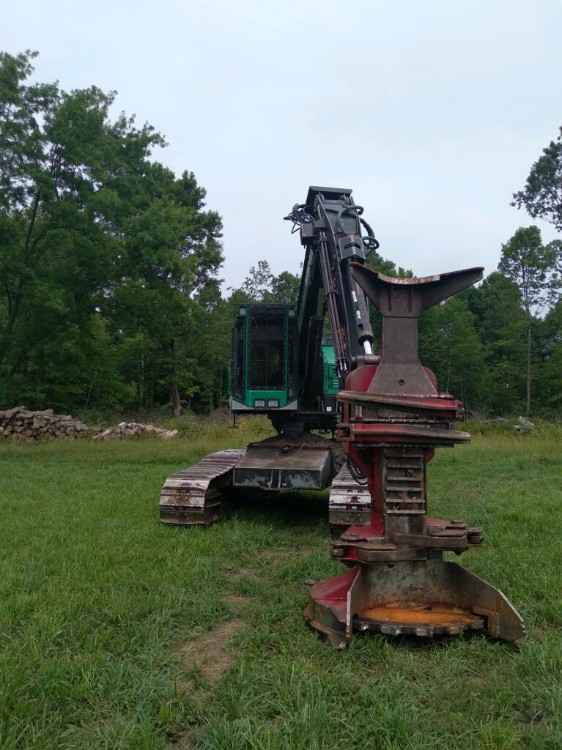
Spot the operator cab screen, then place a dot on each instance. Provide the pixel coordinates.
(267, 351)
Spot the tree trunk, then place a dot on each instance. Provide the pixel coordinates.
(175, 401)
(528, 405)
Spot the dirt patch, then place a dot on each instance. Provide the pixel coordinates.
(181, 742)
(236, 574)
(542, 632)
(236, 600)
(208, 653)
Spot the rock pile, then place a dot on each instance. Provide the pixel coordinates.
(25, 424)
(135, 429)
(20, 422)
(524, 425)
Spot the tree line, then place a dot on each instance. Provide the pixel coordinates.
(110, 289)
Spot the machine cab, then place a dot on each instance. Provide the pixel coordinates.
(263, 368)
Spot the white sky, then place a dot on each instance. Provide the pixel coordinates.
(433, 111)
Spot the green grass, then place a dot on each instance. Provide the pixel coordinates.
(98, 600)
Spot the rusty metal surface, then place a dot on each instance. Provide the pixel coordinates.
(422, 598)
(191, 497)
(437, 618)
(401, 302)
(387, 434)
(439, 404)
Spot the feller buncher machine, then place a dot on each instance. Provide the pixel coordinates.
(363, 424)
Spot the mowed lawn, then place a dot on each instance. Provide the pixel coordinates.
(118, 632)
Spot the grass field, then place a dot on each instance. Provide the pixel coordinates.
(117, 632)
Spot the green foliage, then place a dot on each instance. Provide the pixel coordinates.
(387, 267)
(549, 374)
(261, 285)
(532, 269)
(451, 347)
(542, 194)
(285, 288)
(500, 322)
(106, 257)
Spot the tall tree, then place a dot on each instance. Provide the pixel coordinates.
(170, 257)
(258, 283)
(530, 266)
(261, 285)
(549, 379)
(500, 322)
(451, 347)
(57, 242)
(285, 288)
(542, 194)
(103, 252)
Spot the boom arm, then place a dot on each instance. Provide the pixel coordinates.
(331, 231)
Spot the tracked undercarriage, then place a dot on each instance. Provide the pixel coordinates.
(193, 496)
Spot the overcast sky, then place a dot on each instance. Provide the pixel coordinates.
(433, 111)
